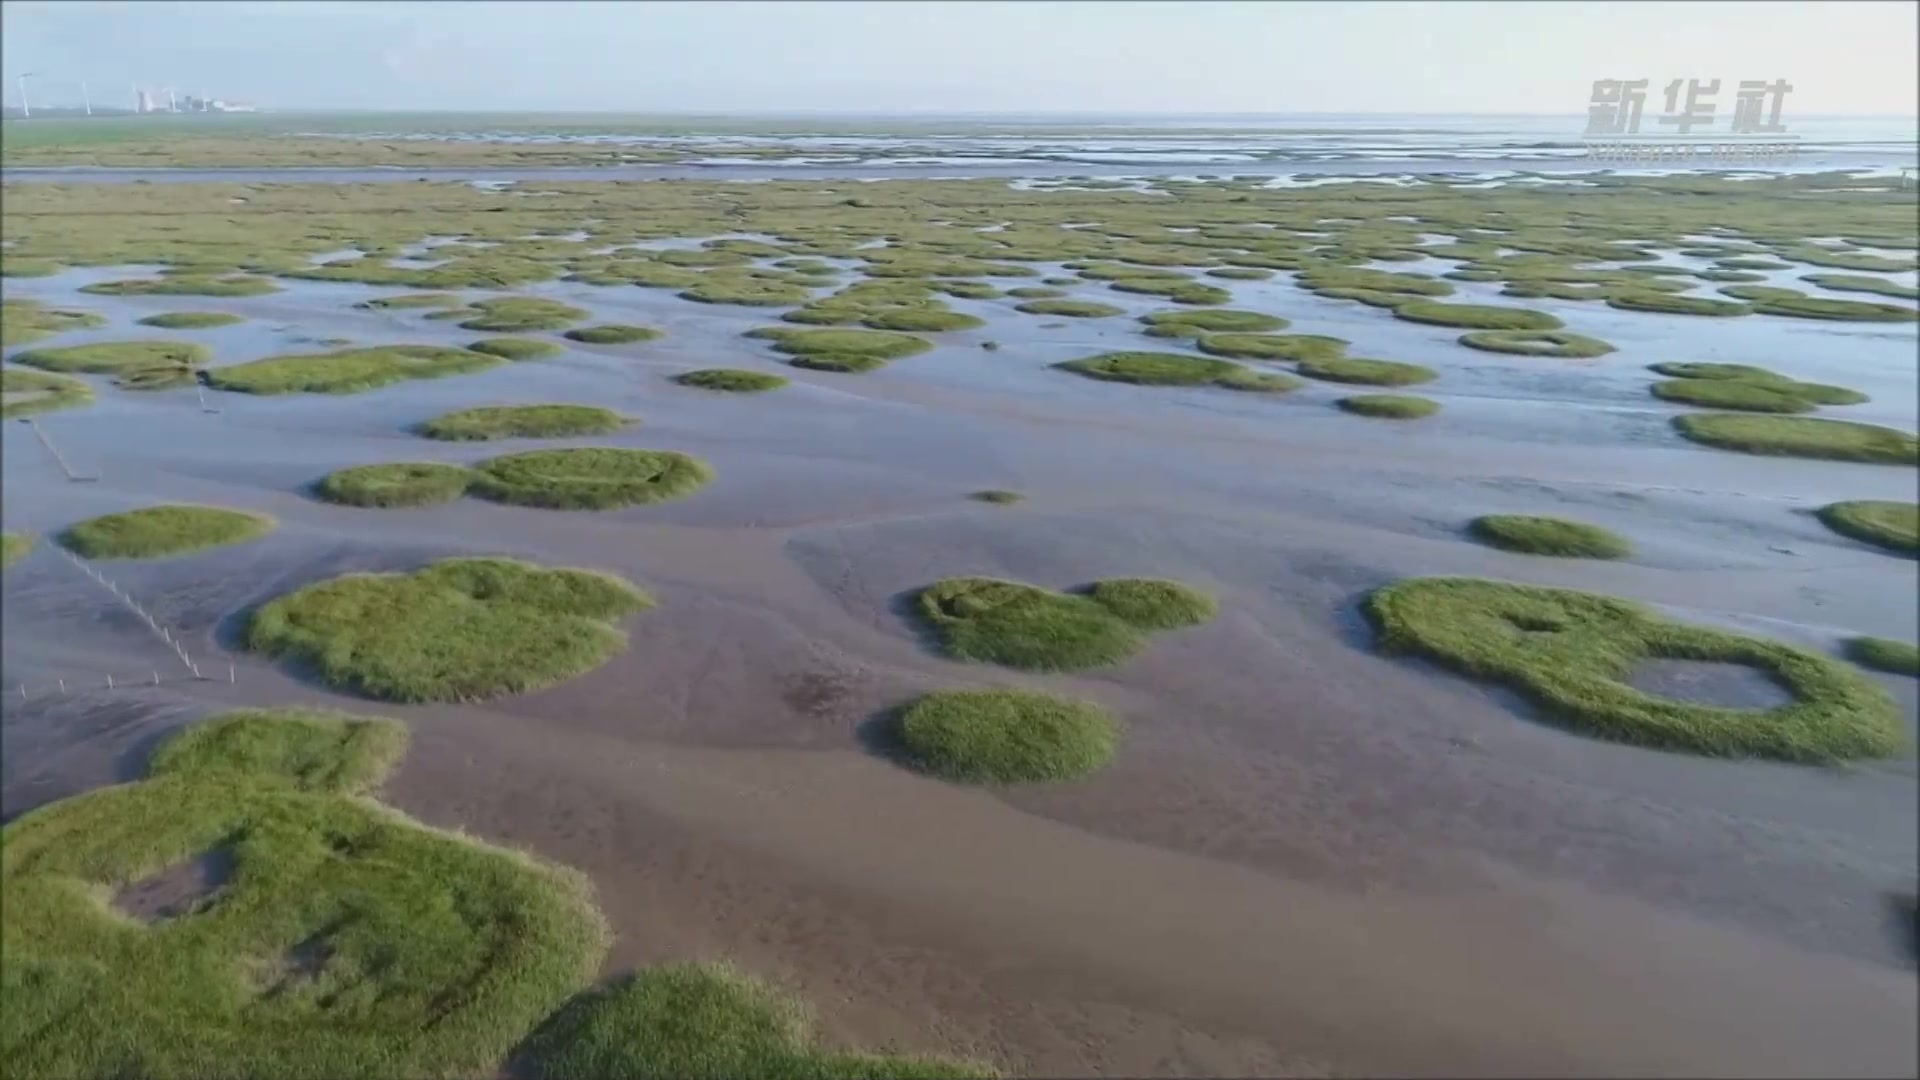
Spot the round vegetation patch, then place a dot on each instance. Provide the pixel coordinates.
(1813, 307)
(1155, 369)
(1745, 372)
(927, 320)
(706, 1022)
(1555, 343)
(1074, 309)
(519, 314)
(348, 371)
(14, 547)
(459, 630)
(1035, 292)
(596, 478)
(1240, 273)
(612, 334)
(162, 530)
(1891, 525)
(1885, 654)
(1022, 626)
(185, 285)
(1006, 736)
(1571, 652)
(730, 380)
(23, 393)
(1547, 536)
(1389, 406)
(1475, 316)
(523, 422)
(341, 938)
(517, 348)
(1270, 346)
(1195, 323)
(1669, 304)
(1800, 436)
(115, 357)
(407, 484)
(1367, 372)
(1765, 397)
(190, 320)
(841, 350)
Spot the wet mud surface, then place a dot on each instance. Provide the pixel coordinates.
(1307, 858)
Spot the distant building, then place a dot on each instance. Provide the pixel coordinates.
(142, 101)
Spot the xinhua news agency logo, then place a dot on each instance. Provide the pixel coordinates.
(1687, 129)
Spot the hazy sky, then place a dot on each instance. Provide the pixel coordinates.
(903, 56)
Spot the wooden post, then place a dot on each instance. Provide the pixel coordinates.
(109, 682)
(156, 678)
(230, 678)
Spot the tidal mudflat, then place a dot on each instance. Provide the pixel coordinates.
(1250, 836)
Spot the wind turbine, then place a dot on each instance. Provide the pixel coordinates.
(24, 110)
(85, 101)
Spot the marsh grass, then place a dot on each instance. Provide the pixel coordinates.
(115, 357)
(1572, 652)
(14, 547)
(922, 320)
(520, 314)
(1757, 396)
(1366, 372)
(347, 941)
(518, 349)
(1863, 283)
(1006, 736)
(158, 531)
(406, 301)
(1074, 309)
(1389, 406)
(23, 393)
(458, 630)
(1270, 346)
(997, 496)
(1156, 369)
(1668, 304)
(1021, 626)
(395, 485)
(612, 334)
(1815, 307)
(1885, 654)
(1548, 536)
(234, 285)
(1556, 343)
(25, 321)
(1894, 526)
(730, 380)
(347, 371)
(1716, 371)
(523, 422)
(1799, 436)
(593, 478)
(841, 350)
(706, 1022)
(191, 320)
(1475, 316)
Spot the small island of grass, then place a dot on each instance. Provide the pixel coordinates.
(158, 531)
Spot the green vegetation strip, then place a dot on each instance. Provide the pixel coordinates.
(1885, 654)
(1891, 525)
(1548, 536)
(459, 630)
(612, 334)
(1366, 372)
(519, 314)
(841, 350)
(707, 1022)
(1006, 736)
(1074, 309)
(14, 547)
(23, 393)
(1555, 343)
(1268, 346)
(517, 349)
(1475, 316)
(1798, 436)
(1022, 626)
(523, 422)
(186, 285)
(24, 321)
(1389, 406)
(346, 939)
(116, 357)
(997, 496)
(162, 530)
(1195, 323)
(1173, 369)
(387, 486)
(190, 320)
(730, 380)
(347, 371)
(595, 478)
(1571, 652)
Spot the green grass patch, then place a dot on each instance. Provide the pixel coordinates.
(1885, 654)
(14, 547)
(1475, 316)
(1716, 371)
(158, 531)
(612, 334)
(1389, 406)
(342, 939)
(921, 320)
(1669, 304)
(1863, 283)
(520, 314)
(1180, 292)
(1343, 278)
(1572, 652)
(1035, 292)
(407, 301)
(841, 350)
(1156, 369)
(516, 348)
(190, 320)
(523, 422)
(1548, 536)
(1271, 346)
(1021, 626)
(1073, 309)
(1006, 736)
(1367, 372)
(1815, 307)
(1891, 525)
(347, 371)
(234, 285)
(730, 380)
(1196, 323)
(1799, 436)
(406, 484)
(1240, 273)
(997, 496)
(1766, 397)
(1555, 343)
(23, 393)
(594, 478)
(749, 292)
(459, 630)
(706, 1022)
(116, 357)
(26, 321)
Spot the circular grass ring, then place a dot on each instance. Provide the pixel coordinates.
(459, 630)
(1021, 626)
(1151, 369)
(1800, 436)
(523, 422)
(1669, 304)
(1743, 372)
(517, 348)
(1760, 397)
(926, 320)
(1217, 322)
(1475, 316)
(594, 478)
(730, 380)
(408, 484)
(1389, 406)
(841, 350)
(1570, 652)
(1367, 372)
(190, 320)
(1006, 736)
(611, 334)
(1267, 346)
(1894, 526)
(1556, 343)
(157, 531)
(1547, 536)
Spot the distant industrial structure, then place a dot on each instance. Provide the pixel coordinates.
(146, 101)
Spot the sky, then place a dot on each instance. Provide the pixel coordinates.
(923, 56)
